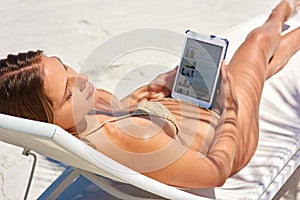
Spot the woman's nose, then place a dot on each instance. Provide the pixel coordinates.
(80, 81)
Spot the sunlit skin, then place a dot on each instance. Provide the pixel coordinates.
(217, 146)
(70, 92)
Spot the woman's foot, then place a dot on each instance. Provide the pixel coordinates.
(294, 6)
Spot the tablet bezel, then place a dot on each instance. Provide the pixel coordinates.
(210, 39)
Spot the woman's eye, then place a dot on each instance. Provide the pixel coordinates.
(70, 95)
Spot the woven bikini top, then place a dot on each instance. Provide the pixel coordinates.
(145, 108)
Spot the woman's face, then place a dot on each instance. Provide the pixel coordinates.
(71, 93)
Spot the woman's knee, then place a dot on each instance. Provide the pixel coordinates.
(264, 41)
(259, 36)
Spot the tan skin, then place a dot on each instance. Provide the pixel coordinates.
(216, 147)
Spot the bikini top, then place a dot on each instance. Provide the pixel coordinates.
(151, 108)
(145, 108)
(154, 108)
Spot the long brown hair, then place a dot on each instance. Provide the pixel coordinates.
(21, 87)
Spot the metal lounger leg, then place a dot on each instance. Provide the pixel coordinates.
(27, 152)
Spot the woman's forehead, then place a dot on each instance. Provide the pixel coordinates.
(52, 66)
(55, 77)
(53, 60)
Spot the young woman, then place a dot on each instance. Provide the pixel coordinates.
(169, 140)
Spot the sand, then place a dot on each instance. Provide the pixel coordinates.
(73, 29)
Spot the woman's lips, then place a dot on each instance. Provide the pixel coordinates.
(91, 91)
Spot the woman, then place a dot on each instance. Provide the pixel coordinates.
(172, 141)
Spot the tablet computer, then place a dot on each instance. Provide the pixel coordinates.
(198, 76)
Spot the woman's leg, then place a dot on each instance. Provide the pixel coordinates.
(289, 45)
(250, 68)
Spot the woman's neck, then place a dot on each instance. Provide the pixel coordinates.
(104, 100)
(78, 128)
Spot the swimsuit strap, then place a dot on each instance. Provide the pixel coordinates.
(153, 108)
(145, 108)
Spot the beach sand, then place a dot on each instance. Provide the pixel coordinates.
(73, 29)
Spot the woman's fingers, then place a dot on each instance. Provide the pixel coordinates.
(162, 85)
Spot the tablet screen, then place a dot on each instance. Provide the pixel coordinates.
(198, 69)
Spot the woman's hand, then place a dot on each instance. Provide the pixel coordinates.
(162, 85)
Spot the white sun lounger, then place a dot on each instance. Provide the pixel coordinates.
(275, 160)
